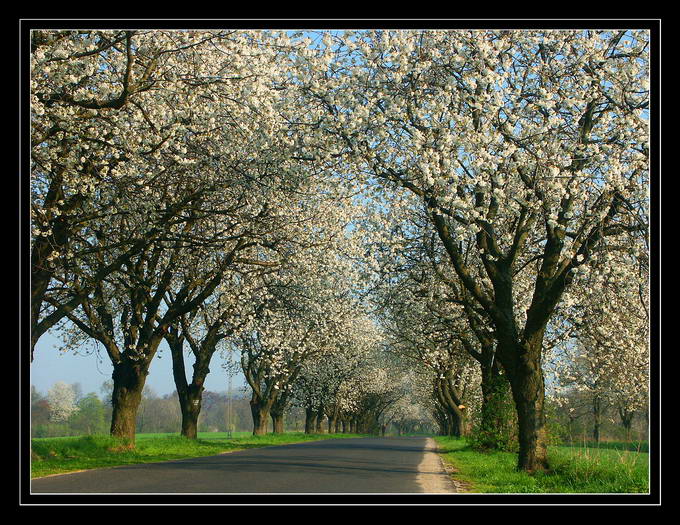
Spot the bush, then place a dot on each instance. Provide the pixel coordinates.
(495, 426)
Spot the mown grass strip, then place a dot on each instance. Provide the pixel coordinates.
(61, 455)
(572, 470)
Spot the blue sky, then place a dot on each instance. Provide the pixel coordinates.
(51, 365)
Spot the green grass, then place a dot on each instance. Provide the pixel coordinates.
(633, 446)
(68, 454)
(573, 469)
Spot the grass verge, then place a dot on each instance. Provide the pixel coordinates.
(572, 470)
(69, 454)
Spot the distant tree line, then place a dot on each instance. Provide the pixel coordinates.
(66, 411)
(76, 414)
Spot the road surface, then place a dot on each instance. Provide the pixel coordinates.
(339, 466)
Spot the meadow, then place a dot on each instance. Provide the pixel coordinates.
(614, 467)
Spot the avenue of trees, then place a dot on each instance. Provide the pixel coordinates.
(408, 229)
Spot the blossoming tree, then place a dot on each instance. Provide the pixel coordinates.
(607, 358)
(226, 172)
(531, 145)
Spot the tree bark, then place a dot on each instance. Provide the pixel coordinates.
(277, 422)
(128, 383)
(319, 421)
(190, 394)
(333, 422)
(260, 412)
(528, 391)
(278, 411)
(310, 420)
(451, 402)
(190, 405)
(353, 426)
(597, 418)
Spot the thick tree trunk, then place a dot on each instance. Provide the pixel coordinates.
(277, 422)
(260, 412)
(190, 405)
(528, 392)
(458, 426)
(278, 412)
(128, 383)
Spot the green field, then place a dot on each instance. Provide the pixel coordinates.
(607, 468)
(68, 454)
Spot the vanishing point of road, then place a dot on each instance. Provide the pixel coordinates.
(398, 465)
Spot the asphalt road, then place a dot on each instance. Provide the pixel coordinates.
(347, 466)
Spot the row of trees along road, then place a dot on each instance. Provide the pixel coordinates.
(213, 188)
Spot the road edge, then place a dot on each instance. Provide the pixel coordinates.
(433, 477)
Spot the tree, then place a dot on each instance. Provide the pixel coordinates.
(40, 413)
(110, 114)
(218, 321)
(167, 162)
(607, 360)
(302, 319)
(409, 413)
(532, 146)
(62, 402)
(90, 417)
(322, 386)
(226, 191)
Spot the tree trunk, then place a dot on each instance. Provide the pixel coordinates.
(333, 422)
(189, 394)
(451, 402)
(319, 421)
(442, 421)
(528, 392)
(190, 405)
(597, 418)
(627, 420)
(260, 413)
(128, 383)
(458, 426)
(277, 422)
(310, 420)
(278, 411)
